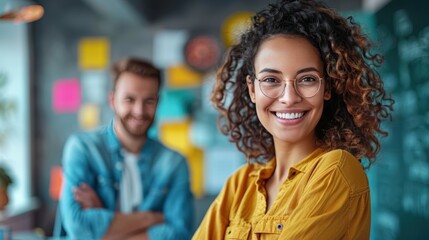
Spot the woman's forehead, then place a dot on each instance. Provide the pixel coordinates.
(287, 53)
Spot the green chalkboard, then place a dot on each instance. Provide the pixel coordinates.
(402, 176)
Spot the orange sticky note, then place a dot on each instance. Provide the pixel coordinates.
(56, 182)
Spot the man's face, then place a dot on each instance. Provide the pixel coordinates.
(134, 102)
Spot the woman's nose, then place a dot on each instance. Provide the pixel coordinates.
(289, 96)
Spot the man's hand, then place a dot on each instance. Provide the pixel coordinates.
(124, 226)
(86, 197)
(151, 218)
(132, 225)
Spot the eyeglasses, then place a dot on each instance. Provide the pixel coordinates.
(307, 85)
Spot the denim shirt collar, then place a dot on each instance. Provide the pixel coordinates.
(114, 144)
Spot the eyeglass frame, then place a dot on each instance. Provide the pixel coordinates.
(294, 86)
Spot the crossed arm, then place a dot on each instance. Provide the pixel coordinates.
(129, 226)
(85, 217)
(83, 213)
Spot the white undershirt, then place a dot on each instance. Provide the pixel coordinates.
(131, 187)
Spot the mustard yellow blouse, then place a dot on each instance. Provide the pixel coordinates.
(326, 196)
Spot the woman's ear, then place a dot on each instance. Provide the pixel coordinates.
(251, 88)
(327, 95)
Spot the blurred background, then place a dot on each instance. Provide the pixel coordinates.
(54, 79)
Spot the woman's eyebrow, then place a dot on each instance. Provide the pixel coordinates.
(269, 70)
(307, 69)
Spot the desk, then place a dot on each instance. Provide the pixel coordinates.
(19, 216)
(33, 236)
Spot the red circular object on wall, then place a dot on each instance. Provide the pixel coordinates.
(202, 53)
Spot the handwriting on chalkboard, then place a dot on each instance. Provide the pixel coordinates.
(403, 172)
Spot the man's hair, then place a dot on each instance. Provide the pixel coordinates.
(137, 66)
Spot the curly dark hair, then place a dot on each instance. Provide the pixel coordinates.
(351, 118)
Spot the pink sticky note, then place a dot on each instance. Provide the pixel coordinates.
(66, 96)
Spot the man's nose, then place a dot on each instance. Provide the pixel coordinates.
(138, 108)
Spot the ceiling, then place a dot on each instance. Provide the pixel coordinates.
(151, 11)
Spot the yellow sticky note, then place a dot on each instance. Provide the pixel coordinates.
(94, 53)
(89, 116)
(196, 166)
(175, 135)
(234, 26)
(182, 76)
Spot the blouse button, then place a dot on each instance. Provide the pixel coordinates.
(279, 226)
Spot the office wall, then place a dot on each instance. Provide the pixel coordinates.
(57, 36)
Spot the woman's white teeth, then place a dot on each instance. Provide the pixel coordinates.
(289, 116)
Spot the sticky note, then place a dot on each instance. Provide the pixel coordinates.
(94, 86)
(175, 134)
(89, 116)
(196, 166)
(94, 53)
(235, 25)
(174, 104)
(182, 76)
(56, 182)
(219, 163)
(66, 96)
(168, 47)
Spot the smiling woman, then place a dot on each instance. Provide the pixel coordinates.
(306, 107)
(292, 110)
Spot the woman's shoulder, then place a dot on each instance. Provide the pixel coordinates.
(243, 171)
(340, 158)
(348, 166)
(245, 174)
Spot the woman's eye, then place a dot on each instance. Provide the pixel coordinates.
(271, 80)
(307, 79)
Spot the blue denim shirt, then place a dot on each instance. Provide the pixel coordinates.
(96, 158)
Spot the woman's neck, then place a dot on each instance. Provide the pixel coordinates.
(288, 155)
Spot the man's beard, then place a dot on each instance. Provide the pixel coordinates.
(135, 133)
